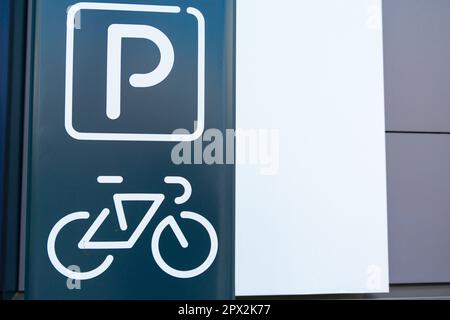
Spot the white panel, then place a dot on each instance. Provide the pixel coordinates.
(312, 70)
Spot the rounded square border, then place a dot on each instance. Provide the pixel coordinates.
(91, 136)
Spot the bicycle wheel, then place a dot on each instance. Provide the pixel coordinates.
(171, 222)
(55, 260)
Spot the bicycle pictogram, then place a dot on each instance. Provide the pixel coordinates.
(86, 243)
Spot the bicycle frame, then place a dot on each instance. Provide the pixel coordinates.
(157, 199)
(87, 243)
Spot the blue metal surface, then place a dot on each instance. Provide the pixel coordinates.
(12, 74)
(4, 72)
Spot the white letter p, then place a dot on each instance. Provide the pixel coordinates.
(116, 32)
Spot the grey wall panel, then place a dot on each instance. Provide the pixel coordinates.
(417, 65)
(419, 207)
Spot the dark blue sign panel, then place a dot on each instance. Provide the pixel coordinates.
(119, 87)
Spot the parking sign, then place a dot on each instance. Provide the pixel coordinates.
(117, 86)
(116, 34)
